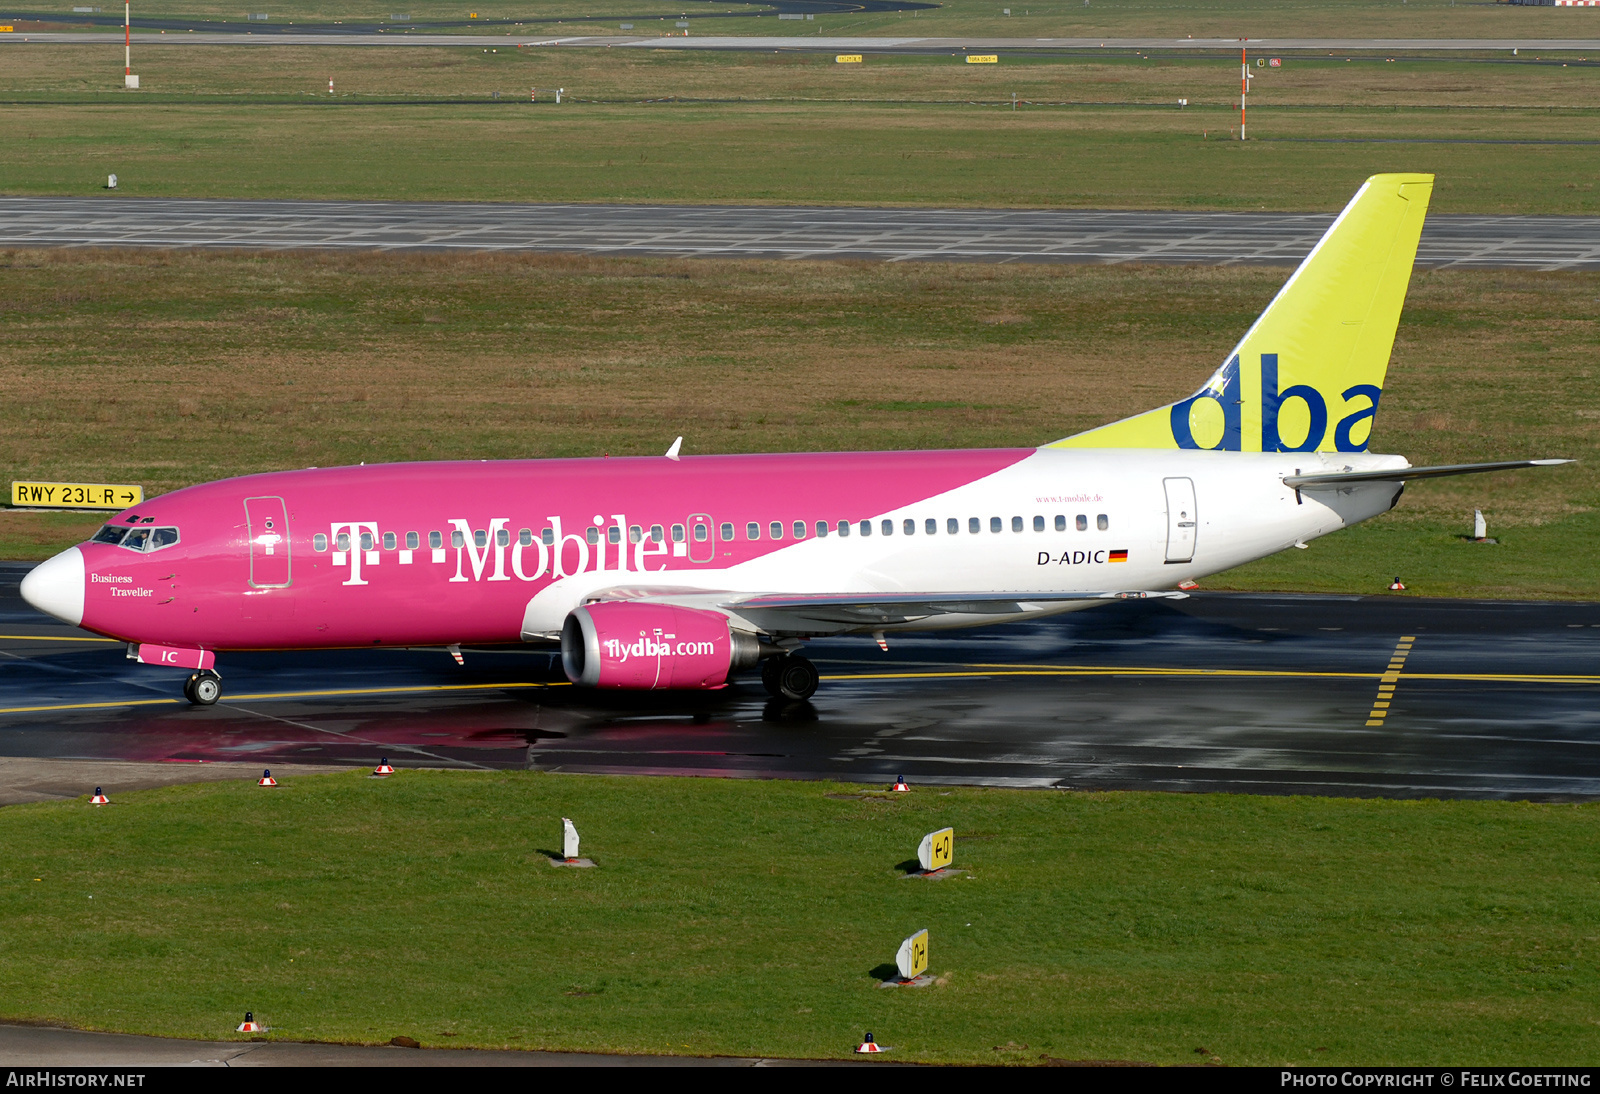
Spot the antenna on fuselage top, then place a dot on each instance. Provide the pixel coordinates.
(672, 453)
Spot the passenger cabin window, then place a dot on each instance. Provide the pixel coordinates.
(547, 536)
(435, 539)
(776, 529)
(524, 537)
(614, 534)
(1016, 524)
(822, 529)
(635, 533)
(413, 540)
(843, 528)
(389, 541)
(592, 535)
(480, 538)
(1061, 522)
(502, 537)
(799, 529)
(973, 526)
(657, 533)
(677, 533)
(701, 531)
(366, 541)
(994, 524)
(1038, 524)
(457, 539)
(1083, 523)
(341, 542)
(887, 528)
(1102, 522)
(866, 527)
(931, 526)
(727, 533)
(752, 531)
(909, 527)
(953, 526)
(319, 542)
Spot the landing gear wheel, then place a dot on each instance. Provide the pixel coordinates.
(203, 688)
(789, 677)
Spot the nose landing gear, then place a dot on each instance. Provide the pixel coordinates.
(203, 688)
(789, 677)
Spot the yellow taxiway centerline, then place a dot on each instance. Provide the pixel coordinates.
(1135, 670)
(949, 674)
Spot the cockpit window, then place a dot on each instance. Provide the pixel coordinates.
(138, 539)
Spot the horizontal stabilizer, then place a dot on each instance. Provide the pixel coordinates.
(1406, 474)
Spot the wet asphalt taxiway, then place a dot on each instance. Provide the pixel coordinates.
(1220, 692)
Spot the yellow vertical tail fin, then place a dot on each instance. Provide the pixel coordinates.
(1307, 376)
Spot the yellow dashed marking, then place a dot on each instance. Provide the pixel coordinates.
(1388, 681)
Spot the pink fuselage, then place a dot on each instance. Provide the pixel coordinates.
(257, 563)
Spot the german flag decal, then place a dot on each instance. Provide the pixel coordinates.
(1118, 556)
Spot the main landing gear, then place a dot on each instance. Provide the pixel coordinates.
(203, 688)
(789, 677)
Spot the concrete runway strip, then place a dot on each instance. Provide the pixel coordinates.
(47, 1047)
(259, 35)
(921, 235)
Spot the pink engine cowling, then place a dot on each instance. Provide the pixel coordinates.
(626, 644)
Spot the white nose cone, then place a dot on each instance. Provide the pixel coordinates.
(55, 586)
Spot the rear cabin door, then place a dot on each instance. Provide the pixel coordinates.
(268, 523)
(1181, 519)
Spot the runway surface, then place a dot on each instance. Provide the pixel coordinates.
(266, 34)
(45, 1046)
(1222, 692)
(964, 235)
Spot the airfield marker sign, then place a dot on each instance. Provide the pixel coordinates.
(937, 850)
(912, 960)
(75, 495)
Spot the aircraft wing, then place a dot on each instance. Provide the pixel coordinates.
(1405, 474)
(836, 612)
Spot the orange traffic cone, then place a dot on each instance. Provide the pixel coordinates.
(99, 797)
(1396, 586)
(267, 779)
(250, 1025)
(868, 1044)
(900, 785)
(383, 768)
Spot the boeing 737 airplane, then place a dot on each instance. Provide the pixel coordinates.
(677, 572)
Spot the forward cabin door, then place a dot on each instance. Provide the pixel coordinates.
(268, 524)
(1181, 519)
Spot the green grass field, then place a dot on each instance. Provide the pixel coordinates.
(749, 918)
(173, 368)
(639, 126)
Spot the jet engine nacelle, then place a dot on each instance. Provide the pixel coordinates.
(626, 644)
